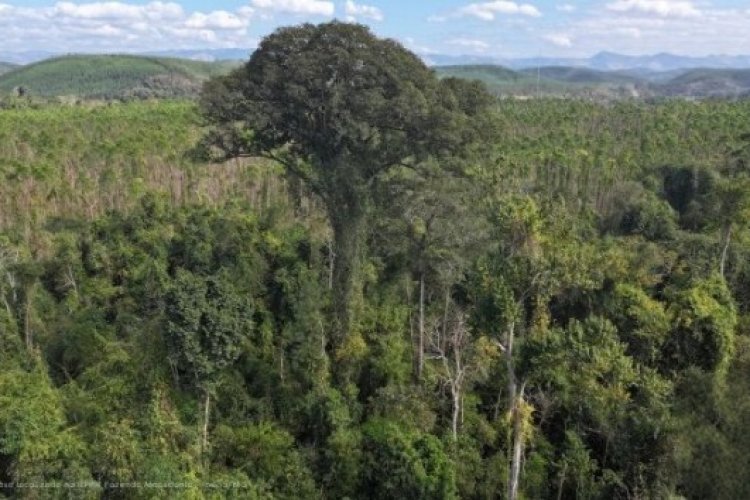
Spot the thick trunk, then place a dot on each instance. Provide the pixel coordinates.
(727, 238)
(348, 236)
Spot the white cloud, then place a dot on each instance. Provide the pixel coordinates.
(220, 19)
(468, 43)
(664, 8)
(566, 7)
(118, 10)
(313, 7)
(631, 32)
(559, 39)
(715, 31)
(422, 50)
(487, 11)
(120, 27)
(354, 11)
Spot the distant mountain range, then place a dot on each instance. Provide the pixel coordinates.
(133, 76)
(576, 81)
(603, 61)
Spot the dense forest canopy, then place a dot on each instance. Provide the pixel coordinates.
(557, 310)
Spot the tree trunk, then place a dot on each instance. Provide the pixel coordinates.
(561, 483)
(727, 238)
(27, 324)
(456, 393)
(331, 262)
(206, 413)
(420, 354)
(348, 236)
(515, 465)
(446, 305)
(27, 333)
(514, 398)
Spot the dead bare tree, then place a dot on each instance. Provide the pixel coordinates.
(462, 359)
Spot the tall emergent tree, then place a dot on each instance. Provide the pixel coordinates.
(338, 107)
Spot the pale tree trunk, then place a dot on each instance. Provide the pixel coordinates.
(27, 332)
(420, 353)
(446, 306)
(561, 483)
(456, 392)
(515, 399)
(331, 263)
(727, 237)
(459, 374)
(454, 370)
(27, 325)
(206, 414)
(517, 454)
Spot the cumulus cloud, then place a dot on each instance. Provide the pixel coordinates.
(355, 11)
(313, 7)
(715, 31)
(487, 11)
(631, 32)
(220, 19)
(468, 43)
(559, 39)
(120, 26)
(664, 8)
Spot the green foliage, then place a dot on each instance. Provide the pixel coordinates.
(266, 456)
(36, 444)
(403, 463)
(704, 327)
(137, 279)
(642, 322)
(208, 322)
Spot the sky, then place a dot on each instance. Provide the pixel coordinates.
(496, 28)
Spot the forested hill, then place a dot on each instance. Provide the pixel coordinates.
(129, 76)
(568, 81)
(711, 82)
(112, 76)
(5, 67)
(570, 74)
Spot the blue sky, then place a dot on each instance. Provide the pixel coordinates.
(495, 28)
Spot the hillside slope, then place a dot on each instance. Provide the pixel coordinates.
(567, 74)
(569, 81)
(112, 76)
(6, 67)
(710, 83)
(489, 74)
(560, 81)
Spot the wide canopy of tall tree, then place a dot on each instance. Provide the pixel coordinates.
(338, 107)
